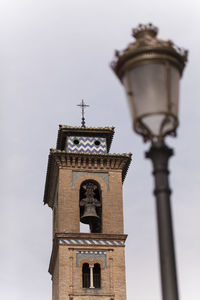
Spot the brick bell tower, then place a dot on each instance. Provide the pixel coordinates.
(84, 185)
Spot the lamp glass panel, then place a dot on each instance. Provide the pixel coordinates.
(160, 124)
(153, 123)
(174, 90)
(150, 101)
(129, 94)
(149, 88)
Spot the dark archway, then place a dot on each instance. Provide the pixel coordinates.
(91, 205)
(86, 276)
(97, 275)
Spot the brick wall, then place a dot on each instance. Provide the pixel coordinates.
(113, 282)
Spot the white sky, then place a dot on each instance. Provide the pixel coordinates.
(53, 54)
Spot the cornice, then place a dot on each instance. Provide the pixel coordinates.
(86, 128)
(93, 236)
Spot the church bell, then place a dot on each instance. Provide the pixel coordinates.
(90, 215)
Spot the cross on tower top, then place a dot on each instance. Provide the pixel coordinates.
(83, 106)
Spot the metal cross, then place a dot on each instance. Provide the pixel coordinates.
(83, 106)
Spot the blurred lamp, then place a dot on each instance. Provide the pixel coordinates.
(150, 70)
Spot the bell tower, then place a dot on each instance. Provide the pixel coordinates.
(84, 186)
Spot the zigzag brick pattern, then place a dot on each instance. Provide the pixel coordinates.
(86, 145)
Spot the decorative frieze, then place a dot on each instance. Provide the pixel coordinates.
(91, 256)
(86, 144)
(91, 242)
(77, 174)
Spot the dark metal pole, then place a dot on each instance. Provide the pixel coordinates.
(159, 154)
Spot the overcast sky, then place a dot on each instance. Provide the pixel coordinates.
(53, 53)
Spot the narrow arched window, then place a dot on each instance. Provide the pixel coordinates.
(86, 275)
(97, 275)
(91, 205)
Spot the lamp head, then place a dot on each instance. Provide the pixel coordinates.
(150, 70)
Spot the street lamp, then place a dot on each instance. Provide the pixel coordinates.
(150, 70)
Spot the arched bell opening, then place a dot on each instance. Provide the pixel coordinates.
(91, 205)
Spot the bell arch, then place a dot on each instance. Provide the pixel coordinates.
(90, 203)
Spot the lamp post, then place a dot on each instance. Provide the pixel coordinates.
(150, 70)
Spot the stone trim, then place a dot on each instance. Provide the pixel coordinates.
(91, 242)
(90, 236)
(93, 293)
